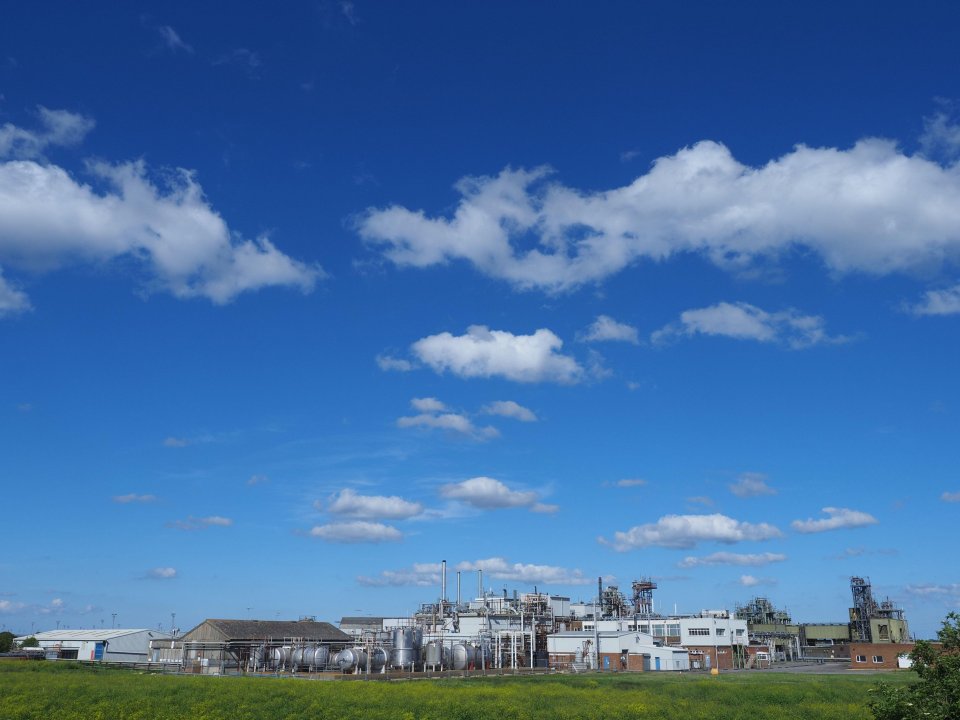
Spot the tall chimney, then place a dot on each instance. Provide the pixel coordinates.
(443, 581)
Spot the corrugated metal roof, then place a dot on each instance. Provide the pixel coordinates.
(68, 635)
(364, 620)
(270, 629)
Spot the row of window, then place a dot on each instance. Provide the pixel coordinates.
(878, 659)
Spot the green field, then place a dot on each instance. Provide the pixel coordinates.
(70, 692)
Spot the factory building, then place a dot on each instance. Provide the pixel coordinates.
(114, 645)
(773, 636)
(612, 650)
(216, 646)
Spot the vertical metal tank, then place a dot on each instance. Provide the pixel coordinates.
(462, 656)
(406, 648)
(435, 654)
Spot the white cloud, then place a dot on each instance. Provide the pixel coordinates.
(172, 40)
(258, 480)
(449, 421)
(742, 321)
(950, 497)
(201, 523)
(485, 353)
(605, 328)
(348, 502)
(940, 138)
(686, 531)
(728, 558)
(9, 606)
(387, 362)
(134, 498)
(58, 127)
(837, 519)
(544, 508)
(428, 405)
(510, 409)
(49, 219)
(751, 581)
(700, 500)
(162, 573)
(870, 208)
(488, 494)
(502, 569)
(358, 531)
(938, 302)
(419, 575)
(948, 593)
(175, 442)
(12, 300)
(630, 482)
(751, 484)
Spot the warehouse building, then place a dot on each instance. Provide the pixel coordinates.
(615, 650)
(114, 645)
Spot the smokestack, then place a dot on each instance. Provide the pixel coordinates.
(443, 580)
(480, 583)
(458, 588)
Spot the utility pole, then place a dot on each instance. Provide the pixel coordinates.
(113, 622)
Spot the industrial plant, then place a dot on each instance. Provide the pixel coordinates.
(516, 632)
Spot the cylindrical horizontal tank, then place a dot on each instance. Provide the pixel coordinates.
(378, 658)
(351, 659)
(280, 656)
(406, 647)
(462, 656)
(319, 658)
(296, 658)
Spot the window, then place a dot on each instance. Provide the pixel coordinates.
(673, 630)
(658, 631)
(884, 631)
(878, 659)
(720, 632)
(861, 658)
(645, 628)
(699, 631)
(739, 632)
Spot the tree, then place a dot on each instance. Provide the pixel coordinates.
(6, 641)
(30, 642)
(936, 694)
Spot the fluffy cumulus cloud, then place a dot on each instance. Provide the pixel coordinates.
(686, 531)
(49, 218)
(498, 568)
(751, 484)
(388, 362)
(435, 415)
(502, 569)
(356, 531)
(12, 300)
(944, 301)
(869, 208)
(837, 519)
(348, 502)
(134, 498)
(419, 575)
(751, 581)
(742, 321)
(200, 523)
(606, 329)
(162, 573)
(485, 353)
(728, 558)
(941, 137)
(510, 409)
(489, 494)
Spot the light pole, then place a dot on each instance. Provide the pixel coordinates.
(113, 621)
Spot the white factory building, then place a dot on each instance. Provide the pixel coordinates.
(613, 650)
(115, 645)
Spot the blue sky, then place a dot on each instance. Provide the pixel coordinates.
(297, 301)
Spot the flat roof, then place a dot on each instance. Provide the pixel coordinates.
(68, 634)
